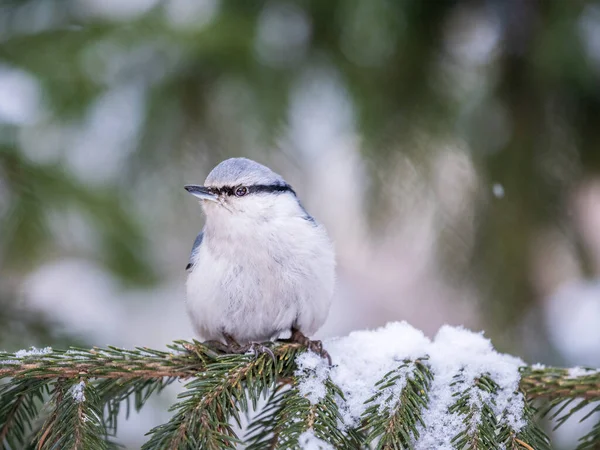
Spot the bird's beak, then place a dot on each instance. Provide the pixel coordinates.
(201, 192)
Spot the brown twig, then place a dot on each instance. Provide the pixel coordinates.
(524, 444)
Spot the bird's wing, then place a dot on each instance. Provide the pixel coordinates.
(195, 248)
(307, 216)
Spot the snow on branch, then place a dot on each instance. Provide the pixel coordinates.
(388, 388)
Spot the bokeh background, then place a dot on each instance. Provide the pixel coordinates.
(451, 148)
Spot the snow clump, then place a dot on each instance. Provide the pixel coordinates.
(78, 392)
(456, 357)
(33, 352)
(576, 372)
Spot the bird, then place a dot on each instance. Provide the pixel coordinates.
(262, 266)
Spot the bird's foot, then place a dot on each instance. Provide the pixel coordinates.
(314, 346)
(232, 347)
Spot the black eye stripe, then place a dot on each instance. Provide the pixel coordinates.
(253, 189)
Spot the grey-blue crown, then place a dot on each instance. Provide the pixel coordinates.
(242, 172)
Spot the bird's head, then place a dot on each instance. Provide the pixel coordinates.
(242, 187)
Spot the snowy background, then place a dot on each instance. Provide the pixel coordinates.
(451, 150)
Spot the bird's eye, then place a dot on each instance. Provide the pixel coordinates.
(241, 191)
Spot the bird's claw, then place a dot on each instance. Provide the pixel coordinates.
(317, 347)
(314, 346)
(261, 349)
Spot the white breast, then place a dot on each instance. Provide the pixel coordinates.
(256, 280)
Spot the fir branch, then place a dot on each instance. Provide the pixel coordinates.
(397, 407)
(112, 362)
(202, 419)
(474, 403)
(263, 431)
(76, 419)
(20, 403)
(114, 393)
(188, 358)
(288, 415)
(591, 441)
(559, 409)
(530, 436)
(567, 392)
(486, 429)
(224, 385)
(552, 382)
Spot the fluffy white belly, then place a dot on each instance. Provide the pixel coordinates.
(255, 286)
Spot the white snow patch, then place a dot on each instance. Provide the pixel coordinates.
(458, 351)
(364, 357)
(78, 392)
(313, 371)
(538, 366)
(33, 352)
(308, 441)
(577, 372)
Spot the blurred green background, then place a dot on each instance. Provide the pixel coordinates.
(451, 148)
